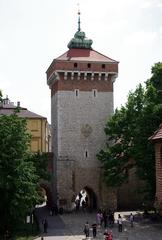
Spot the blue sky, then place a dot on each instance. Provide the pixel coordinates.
(34, 32)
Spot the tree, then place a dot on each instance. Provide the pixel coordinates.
(1, 96)
(18, 179)
(128, 131)
(40, 161)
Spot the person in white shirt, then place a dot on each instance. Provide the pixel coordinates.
(120, 223)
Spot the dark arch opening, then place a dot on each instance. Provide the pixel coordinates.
(47, 195)
(92, 199)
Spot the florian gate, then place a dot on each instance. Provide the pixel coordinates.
(81, 83)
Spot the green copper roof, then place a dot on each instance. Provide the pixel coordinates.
(79, 40)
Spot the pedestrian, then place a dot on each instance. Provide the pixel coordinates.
(111, 219)
(120, 223)
(94, 229)
(98, 218)
(108, 235)
(105, 216)
(45, 225)
(86, 229)
(101, 217)
(83, 205)
(51, 211)
(77, 203)
(131, 219)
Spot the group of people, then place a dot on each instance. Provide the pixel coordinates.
(120, 222)
(108, 234)
(106, 219)
(87, 228)
(81, 201)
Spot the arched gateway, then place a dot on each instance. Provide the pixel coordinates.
(81, 82)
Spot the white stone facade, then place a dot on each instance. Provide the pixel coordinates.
(78, 121)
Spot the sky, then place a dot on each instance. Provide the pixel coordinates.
(34, 32)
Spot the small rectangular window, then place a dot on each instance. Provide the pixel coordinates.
(86, 154)
(77, 92)
(89, 65)
(75, 65)
(103, 66)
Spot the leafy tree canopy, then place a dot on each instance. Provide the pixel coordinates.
(18, 178)
(128, 131)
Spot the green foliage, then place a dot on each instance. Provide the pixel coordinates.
(40, 161)
(18, 178)
(128, 131)
(1, 99)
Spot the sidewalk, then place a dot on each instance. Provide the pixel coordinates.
(70, 227)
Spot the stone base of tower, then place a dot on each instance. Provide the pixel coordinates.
(65, 176)
(109, 197)
(73, 178)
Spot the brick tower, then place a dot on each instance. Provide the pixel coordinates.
(81, 82)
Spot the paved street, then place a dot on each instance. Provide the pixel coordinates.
(70, 227)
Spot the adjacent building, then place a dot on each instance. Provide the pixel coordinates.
(37, 126)
(156, 138)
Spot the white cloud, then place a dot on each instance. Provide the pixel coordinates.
(146, 4)
(160, 31)
(159, 5)
(141, 38)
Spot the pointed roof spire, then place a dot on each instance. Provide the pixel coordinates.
(80, 40)
(79, 18)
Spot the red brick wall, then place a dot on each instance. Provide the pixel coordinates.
(82, 85)
(82, 66)
(158, 163)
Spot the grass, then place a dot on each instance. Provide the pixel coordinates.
(24, 238)
(26, 232)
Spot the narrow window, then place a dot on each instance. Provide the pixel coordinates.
(77, 92)
(103, 66)
(75, 65)
(86, 154)
(89, 65)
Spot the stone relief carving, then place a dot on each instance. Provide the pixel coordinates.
(86, 130)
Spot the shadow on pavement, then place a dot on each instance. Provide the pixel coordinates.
(55, 223)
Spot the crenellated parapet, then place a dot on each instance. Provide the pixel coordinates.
(81, 76)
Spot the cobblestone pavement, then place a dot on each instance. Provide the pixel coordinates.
(70, 227)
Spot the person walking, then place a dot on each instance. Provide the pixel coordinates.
(108, 235)
(120, 223)
(86, 229)
(45, 225)
(131, 219)
(105, 218)
(94, 229)
(111, 219)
